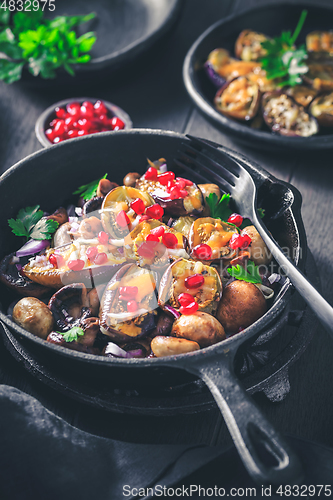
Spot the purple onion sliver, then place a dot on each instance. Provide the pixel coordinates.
(115, 350)
(172, 310)
(163, 168)
(18, 267)
(170, 221)
(136, 353)
(273, 278)
(32, 247)
(121, 250)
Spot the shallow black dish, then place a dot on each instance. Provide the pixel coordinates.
(57, 172)
(269, 19)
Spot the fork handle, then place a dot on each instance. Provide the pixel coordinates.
(312, 297)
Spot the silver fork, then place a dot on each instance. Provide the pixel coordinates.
(236, 180)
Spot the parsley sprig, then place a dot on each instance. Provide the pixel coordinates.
(88, 191)
(73, 334)
(283, 61)
(219, 209)
(43, 45)
(250, 273)
(29, 223)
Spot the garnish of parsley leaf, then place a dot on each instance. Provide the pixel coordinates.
(29, 223)
(73, 334)
(250, 273)
(88, 191)
(283, 61)
(219, 209)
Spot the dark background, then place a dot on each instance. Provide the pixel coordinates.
(152, 92)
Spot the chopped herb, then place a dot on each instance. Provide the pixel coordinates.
(43, 45)
(250, 274)
(219, 209)
(283, 61)
(88, 191)
(29, 223)
(261, 212)
(73, 334)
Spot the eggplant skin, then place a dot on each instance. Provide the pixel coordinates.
(320, 76)
(238, 98)
(216, 59)
(322, 109)
(302, 94)
(284, 116)
(320, 42)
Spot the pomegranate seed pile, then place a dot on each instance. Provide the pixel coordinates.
(76, 120)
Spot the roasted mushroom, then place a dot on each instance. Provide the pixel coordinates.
(302, 95)
(70, 306)
(241, 305)
(257, 249)
(128, 306)
(117, 215)
(239, 99)
(214, 233)
(194, 278)
(285, 117)
(62, 235)
(322, 109)
(199, 327)
(131, 178)
(170, 346)
(248, 45)
(33, 315)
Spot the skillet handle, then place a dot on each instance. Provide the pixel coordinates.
(264, 452)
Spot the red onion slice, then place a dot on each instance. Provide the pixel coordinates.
(172, 310)
(32, 247)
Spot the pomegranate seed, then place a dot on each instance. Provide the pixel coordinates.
(88, 105)
(70, 121)
(104, 120)
(146, 250)
(158, 231)
(138, 206)
(60, 112)
(76, 264)
(174, 193)
(84, 124)
(187, 181)
(202, 252)
(100, 108)
(117, 123)
(87, 111)
(143, 218)
(103, 238)
(181, 184)
(72, 133)
(166, 177)
(73, 109)
(153, 239)
(194, 281)
(56, 260)
(132, 306)
(91, 252)
(185, 299)
(122, 219)
(183, 193)
(56, 140)
(49, 134)
(235, 219)
(169, 240)
(80, 133)
(155, 211)
(189, 309)
(239, 241)
(129, 292)
(60, 128)
(101, 258)
(170, 185)
(151, 174)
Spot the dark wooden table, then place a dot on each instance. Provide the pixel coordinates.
(152, 92)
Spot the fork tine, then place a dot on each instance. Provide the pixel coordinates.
(219, 180)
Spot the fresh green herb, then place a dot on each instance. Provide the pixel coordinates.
(283, 61)
(219, 209)
(29, 223)
(88, 191)
(250, 274)
(43, 45)
(73, 334)
(261, 212)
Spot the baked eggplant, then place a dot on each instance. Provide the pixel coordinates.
(322, 109)
(302, 94)
(320, 42)
(118, 218)
(194, 278)
(153, 243)
(214, 233)
(129, 303)
(239, 99)
(216, 60)
(284, 116)
(176, 195)
(320, 76)
(248, 45)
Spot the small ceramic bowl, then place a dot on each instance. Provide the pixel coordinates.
(43, 122)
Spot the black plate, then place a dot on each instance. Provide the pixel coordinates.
(270, 19)
(124, 28)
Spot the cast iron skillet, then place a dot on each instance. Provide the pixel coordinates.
(50, 176)
(269, 19)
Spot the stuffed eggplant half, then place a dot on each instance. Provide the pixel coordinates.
(153, 268)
